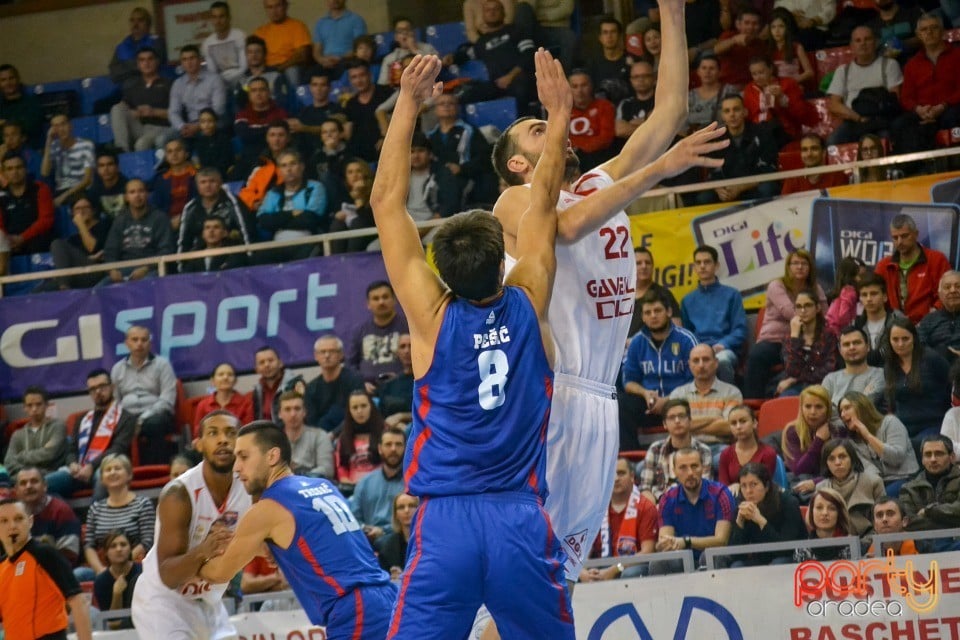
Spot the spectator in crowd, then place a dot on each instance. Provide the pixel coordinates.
(176, 186)
(752, 151)
(330, 161)
(265, 175)
(19, 105)
(422, 199)
(38, 586)
(803, 439)
(4, 253)
(627, 508)
(462, 156)
(14, 141)
(951, 419)
(735, 48)
(308, 125)
(826, 518)
(358, 445)
(881, 440)
(367, 133)
(396, 395)
(592, 122)
(710, 399)
(214, 236)
(54, 522)
(746, 448)
(871, 147)
(876, 316)
(789, 56)
(225, 396)
(659, 465)
(931, 500)
(912, 271)
(213, 147)
(81, 249)
(126, 56)
(213, 201)
(776, 103)
(122, 510)
(857, 374)
(224, 48)
(550, 26)
(26, 209)
(940, 328)
(147, 388)
(392, 547)
(813, 153)
(813, 18)
(714, 312)
(611, 70)
(140, 120)
(113, 587)
(262, 575)
(918, 387)
(704, 99)
(311, 448)
(405, 43)
(888, 517)
(287, 40)
(645, 282)
(42, 441)
(334, 33)
(375, 492)
(295, 209)
(275, 378)
(372, 350)
(867, 71)
(255, 119)
(473, 19)
(67, 159)
(257, 67)
(843, 299)
(798, 275)
(859, 485)
(197, 89)
(895, 25)
(139, 231)
(109, 185)
(326, 395)
(765, 513)
(106, 429)
(930, 95)
(633, 111)
(506, 51)
(179, 464)
(696, 513)
(810, 352)
(355, 211)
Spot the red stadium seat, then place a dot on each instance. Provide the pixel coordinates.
(952, 35)
(842, 153)
(826, 123)
(150, 476)
(634, 456)
(827, 61)
(948, 137)
(776, 413)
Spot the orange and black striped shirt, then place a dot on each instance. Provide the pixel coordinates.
(35, 584)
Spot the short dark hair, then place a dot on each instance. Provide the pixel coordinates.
(279, 124)
(190, 48)
(400, 19)
(148, 49)
(676, 402)
(705, 248)
(257, 40)
(871, 279)
(267, 435)
(608, 19)
(505, 148)
(219, 4)
(334, 121)
(266, 347)
(732, 96)
(468, 252)
(357, 63)
(36, 390)
(653, 296)
(96, 373)
(852, 328)
(12, 155)
(379, 284)
(106, 152)
(214, 414)
(397, 431)
(884, 499)
(937, 437)
(317, 72)
(9, 67)
(258, 79)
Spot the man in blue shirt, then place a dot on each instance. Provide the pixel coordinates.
(372, 499)
(123, 65)
(334, 33)
(714, 313)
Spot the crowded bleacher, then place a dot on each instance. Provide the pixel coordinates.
(830, 413)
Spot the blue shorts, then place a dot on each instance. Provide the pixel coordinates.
(363, 614)
(494, 549)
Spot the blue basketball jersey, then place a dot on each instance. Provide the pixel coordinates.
(329, 556)
(480, 413)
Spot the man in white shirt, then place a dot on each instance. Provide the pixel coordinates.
(224, 48)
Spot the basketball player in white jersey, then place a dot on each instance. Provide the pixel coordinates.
(196, 516)
(593, 295)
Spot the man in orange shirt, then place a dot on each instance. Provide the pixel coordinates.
(37, 583)
(288, 40)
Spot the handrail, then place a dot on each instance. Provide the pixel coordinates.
(877, 540)
(255, 598)
(685, 555)
(710, 555)
(325, 240)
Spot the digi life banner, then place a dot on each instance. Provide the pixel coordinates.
(197, 321)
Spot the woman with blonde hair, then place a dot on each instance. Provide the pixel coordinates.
(881, 440)
(803, 439)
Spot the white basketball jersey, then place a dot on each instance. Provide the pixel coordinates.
(593, 293)
(204, 515)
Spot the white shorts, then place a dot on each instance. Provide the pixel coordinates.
(583, 441)
(159, 616)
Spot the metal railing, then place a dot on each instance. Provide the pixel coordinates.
(879, 539)
(684, 555)
(710, 555)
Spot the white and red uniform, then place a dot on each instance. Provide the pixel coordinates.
(195, 610)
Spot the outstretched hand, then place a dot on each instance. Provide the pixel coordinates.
(694, 150)
(419, 79)
(553, 89)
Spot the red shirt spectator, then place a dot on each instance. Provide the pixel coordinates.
(928, 82)
(771, 99)
(592, 123)
(736, 47)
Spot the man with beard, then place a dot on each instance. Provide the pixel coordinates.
(307, 525)
(857, 374)
(196, 516)
(372, 499)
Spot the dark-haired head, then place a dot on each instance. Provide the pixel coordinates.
(468, 251)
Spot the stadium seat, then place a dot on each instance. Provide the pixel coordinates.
(842, 153)
(826, 122)
(191, 408)
(104, 130)
(31, 263)
(948, 137)
(59, 98)
(775, 414)
(384, 44)
(86, 127)
(446, 37)
(500, 113)
(827, 60)
(473, 69)
(96, 93)
(138, 164)
(151, 476)
(304, 99)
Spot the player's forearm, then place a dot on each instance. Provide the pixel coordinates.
(548, 174)
(673, 79)
(81, 616)
(176, 570)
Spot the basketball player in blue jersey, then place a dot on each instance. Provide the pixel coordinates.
(314, 538)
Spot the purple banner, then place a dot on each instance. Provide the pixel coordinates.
(197, 321)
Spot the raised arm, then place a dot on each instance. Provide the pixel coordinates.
(419, 290)
(670, 100)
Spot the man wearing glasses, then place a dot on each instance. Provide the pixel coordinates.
(658, 471)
